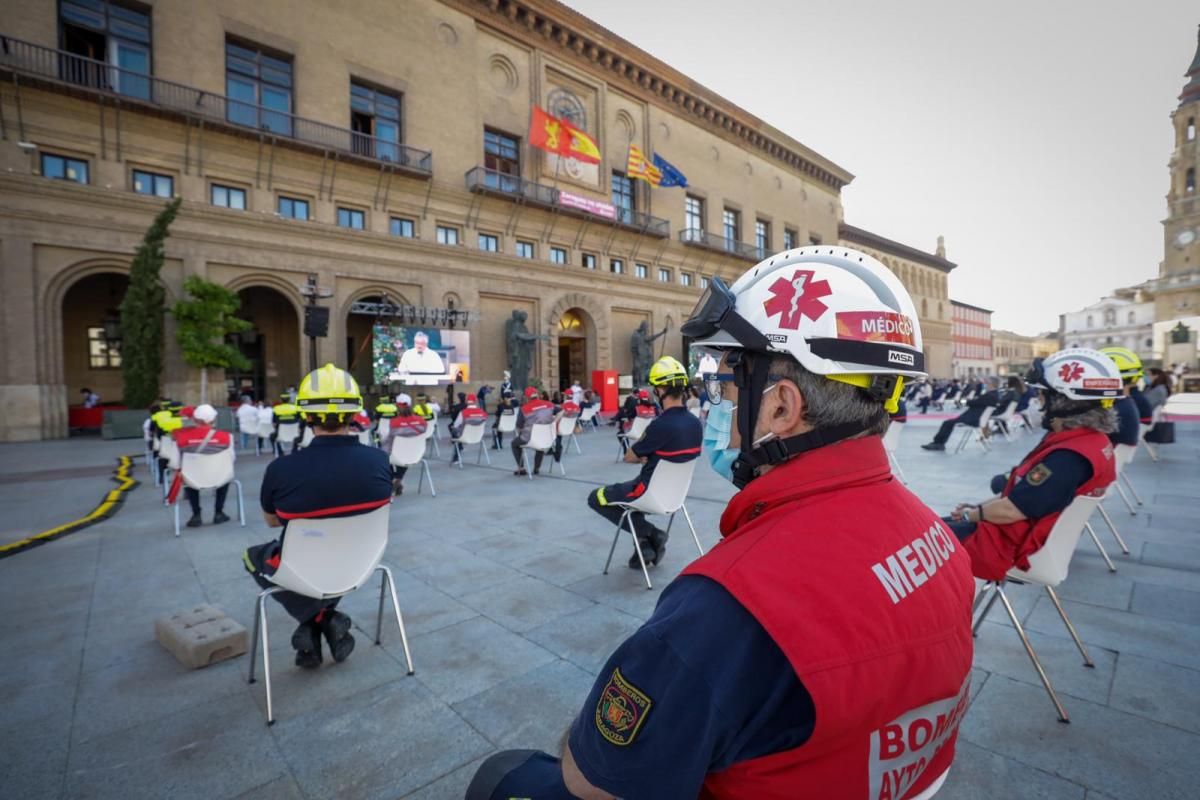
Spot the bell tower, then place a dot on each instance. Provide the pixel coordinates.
(1177, 290)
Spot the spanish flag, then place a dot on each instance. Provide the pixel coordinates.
(561, 137)
(638, 167)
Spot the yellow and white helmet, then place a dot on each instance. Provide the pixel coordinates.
(329, 390)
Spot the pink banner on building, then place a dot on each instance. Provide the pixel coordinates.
(597, 207)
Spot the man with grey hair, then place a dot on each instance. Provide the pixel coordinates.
(971, 416)
(419, 359)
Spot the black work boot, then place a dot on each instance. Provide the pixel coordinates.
(647, 555)
(336, 627)
(195, 521)
(307, 642)
(220, 517)
(658, 538)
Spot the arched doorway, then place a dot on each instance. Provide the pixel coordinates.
(360, 341)
(272, 346)
(576, 347)
(91, 336)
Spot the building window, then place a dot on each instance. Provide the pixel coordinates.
(731, 221)
(789, 238)
(616, 265)
(351, 218)
(1190, 131)
(1149, 342)
(402, 227)
(589, 261)
(1089, 320)
(447, 235)
(558, 255)
(664, 275)
(154, 183)
(293, 208)
(489, 243)
(525, 249)
(115, 39)
(640, 270)
(230, 197)
(924, 308)
(814, 238)
(375, 120)
(103, 353)
(502, 160)
(1132, 316)
(762, 237)
(623, 196)
(1110, 316)
(64, 168)
(685, 279)
(259, 87)
(1189, 181)
(703, 282)
(693, 214)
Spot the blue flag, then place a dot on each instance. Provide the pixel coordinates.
(670, 175)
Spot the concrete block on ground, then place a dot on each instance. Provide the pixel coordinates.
(200, 636)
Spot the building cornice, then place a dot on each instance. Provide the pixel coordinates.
(864, 237)
(551, 26)
(961, 304)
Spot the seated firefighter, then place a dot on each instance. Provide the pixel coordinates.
(1074, 458)
(333, 477)
(785, 663)
(405, 423)
(536, 411)
(204, 438)
(675, 435)
(469, 414)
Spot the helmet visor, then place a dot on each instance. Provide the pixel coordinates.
(715, 313)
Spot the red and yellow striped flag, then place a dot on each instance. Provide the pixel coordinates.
(638, 167)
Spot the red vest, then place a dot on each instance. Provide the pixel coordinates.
(473, 413)
(995, 549)
(646, 410)
(190, 438)
(570, 408)
(869, 596)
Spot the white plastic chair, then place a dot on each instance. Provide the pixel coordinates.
(168, 451)
(666, 493)
(409, 451)
(636, 429)
(1124, 453)
(1004, 421)
(541, 440)
(431, 434)
(507, 423)
(327, 558)
(471, 435)
(891, 443)
(288, 433)
(566, 429)
(587, 417)
(366, 437)
(1155, 418)
(307, 438)
(202, 471)
(1048, 567)
(977, 433)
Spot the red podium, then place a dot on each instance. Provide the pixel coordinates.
(604, 384)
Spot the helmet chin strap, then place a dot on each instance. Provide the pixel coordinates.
(750, 376)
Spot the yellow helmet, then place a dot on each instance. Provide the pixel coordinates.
(667, 371)
(1127, 361)
(329, 390)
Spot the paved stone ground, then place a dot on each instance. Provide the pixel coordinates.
(509, 619)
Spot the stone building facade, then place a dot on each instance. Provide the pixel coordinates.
(972, 331)
(1124, 320)
(925, 275)
(382, 150)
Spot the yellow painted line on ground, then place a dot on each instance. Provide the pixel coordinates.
(108, 506)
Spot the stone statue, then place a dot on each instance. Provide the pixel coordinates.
(519, 343)
(643, 353)
(1181, 334)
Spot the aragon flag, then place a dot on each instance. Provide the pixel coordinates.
(561, 137)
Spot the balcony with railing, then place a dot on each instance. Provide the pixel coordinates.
(27, 61)
(499, 184)
(695, 237)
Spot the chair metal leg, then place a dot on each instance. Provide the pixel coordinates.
(1150, 451)
(561, 469)
(421, 477)
(1113, 528)
(637, 549)
(429, 475)
(1100, 547)
(962, 441)
(254, 639)
(1037, 664)
(387, 574)
(525, 458)
(991, 601)
(616, 536)
(1124, 497)
(575, 440)
(1087, 660)
(176, 519)
(691, 527)
(241, 503)
(260, 627)
(379, 616)
(1132, 490)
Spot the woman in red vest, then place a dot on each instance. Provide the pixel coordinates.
(822, 649)
(1078, 388)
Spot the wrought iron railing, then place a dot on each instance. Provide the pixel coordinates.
(60, 66)
(711, 241)
(490, 181)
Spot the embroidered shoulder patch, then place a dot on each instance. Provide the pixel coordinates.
(622, 710)
(1038, 475)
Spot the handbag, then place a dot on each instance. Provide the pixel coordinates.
(1161, 433)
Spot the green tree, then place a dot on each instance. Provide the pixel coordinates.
(203, 322)
(142, 315)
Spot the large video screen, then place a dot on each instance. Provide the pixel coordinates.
(408, 353)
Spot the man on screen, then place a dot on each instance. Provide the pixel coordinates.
(420, 359)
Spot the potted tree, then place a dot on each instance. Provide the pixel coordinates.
(203, 321)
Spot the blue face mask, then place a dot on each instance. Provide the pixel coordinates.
(716, 439)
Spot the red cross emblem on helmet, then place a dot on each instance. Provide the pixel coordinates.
(797, 298)
(1071, 372)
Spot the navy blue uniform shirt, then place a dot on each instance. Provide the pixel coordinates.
(1145, 411)
(1050, 486)
(674, 435)
(719, 691)
(1128, 423)
(335, 476)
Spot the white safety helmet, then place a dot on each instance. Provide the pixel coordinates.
(1078, 373)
